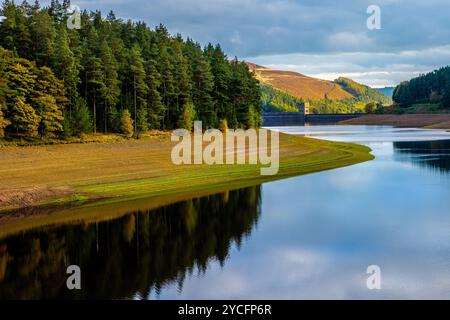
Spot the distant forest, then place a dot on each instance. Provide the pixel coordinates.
(363, 93)
(274, 100)
(433, 88)
(113, 76)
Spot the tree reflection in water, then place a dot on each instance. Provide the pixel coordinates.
(133, 255)
(433, 155)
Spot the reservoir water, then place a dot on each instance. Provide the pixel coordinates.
(306, 237)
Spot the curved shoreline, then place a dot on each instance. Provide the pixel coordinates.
(146, 178)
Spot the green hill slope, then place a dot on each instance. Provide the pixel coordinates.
(361, 92)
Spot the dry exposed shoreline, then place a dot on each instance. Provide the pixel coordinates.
(430, 121)
(136, 168)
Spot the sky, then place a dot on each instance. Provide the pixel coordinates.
(320, 38)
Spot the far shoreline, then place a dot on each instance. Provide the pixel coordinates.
(423, 121)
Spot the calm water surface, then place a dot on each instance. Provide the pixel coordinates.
(306, 237)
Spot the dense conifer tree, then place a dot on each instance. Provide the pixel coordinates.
(137, 78)
(3, 122)
(221, 70)
(24, 119)
(94, 77)
(167, 83)
(110, 91)
(156, 109)
(203, 85)
(82, 122)
(433, 87)
(43, 35)
(66, 66)
(49, 101)
(164, 81)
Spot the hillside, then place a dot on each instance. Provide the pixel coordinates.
(274, 100)
(361, 92)
(299, 85)
(285, 90)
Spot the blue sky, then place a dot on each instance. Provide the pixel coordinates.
(322, 38)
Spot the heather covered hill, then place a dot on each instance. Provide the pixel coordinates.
(299, 85)
(286, 90)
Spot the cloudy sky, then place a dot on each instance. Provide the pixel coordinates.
(322, 38)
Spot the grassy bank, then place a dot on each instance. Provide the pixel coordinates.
(136, 173)
(431, 121)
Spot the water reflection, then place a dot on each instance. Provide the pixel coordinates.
(434, 155)
(316, 236)
(133, 256)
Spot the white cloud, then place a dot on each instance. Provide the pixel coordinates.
(414, 32)
(374, 69)
(349, 40)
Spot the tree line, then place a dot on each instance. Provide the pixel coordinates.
(274, 100)
(113, 76)
(433, 87)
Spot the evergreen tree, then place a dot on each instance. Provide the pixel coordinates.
(428, 88)
(121, 56)
(245, 97)
(94, 80)
(43, 36)
(24, 119)
(167, 83)
(117, 65)
(49, 101)
(140, 88)
(82, 122)
(156, 109)
(66, 66)
(51, 116)
(114, 120)
(182, 83)
(5, 60)
(22, 35)
(201, 93)
(110, 91)
(445, 102)
(47, 83)
(221, 70)
(58, 10)
(14, 31)
(67, 128)
(20, 80)
(3, 123)
(8, 25)
(141, 119)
